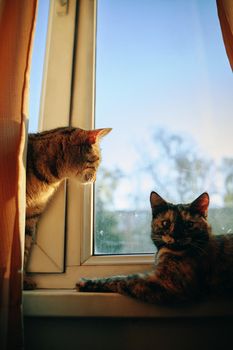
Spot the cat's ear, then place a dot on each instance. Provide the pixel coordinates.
(94, 136)
(201, 204)
(156, 200)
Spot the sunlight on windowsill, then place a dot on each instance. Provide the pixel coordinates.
(69, 303)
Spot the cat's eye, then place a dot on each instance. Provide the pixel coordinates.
(166, 223)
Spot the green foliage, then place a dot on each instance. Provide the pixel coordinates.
(107, 238)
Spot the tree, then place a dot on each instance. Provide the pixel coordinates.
(227, 171)
(177, 167)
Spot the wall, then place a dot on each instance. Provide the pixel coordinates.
(126, 334)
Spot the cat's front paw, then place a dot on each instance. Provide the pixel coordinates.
(84, 285)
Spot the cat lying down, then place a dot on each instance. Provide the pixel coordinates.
(190, 262)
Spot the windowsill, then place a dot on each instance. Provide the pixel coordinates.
(69, 303)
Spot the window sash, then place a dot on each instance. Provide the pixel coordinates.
(56, 86)
(79, 109)
(81, 198)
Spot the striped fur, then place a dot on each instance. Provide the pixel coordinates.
(53, 156)
(190, 262)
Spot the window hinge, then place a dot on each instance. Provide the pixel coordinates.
(62, 7)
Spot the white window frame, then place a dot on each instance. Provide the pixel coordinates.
(54, 112)
(71, 97)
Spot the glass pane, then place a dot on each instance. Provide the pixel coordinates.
(164, 85)
(38, 54)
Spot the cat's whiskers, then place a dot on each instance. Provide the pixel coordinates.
(156, 238)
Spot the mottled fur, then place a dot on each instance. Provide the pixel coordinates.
(53, 156)
(190, 263)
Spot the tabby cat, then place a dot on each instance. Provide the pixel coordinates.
(190, 262)
(53, 156)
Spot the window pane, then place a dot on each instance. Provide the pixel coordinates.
(38, 54)
(164, 84)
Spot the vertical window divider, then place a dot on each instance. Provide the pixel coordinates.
(80, 197)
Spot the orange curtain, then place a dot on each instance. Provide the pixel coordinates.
(225, 14)
(17, 18)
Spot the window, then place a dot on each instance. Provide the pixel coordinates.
(163, 82)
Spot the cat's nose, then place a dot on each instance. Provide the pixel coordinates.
(178, 231)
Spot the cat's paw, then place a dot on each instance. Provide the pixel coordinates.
(82, 285)
(28, 283)
(88, 285)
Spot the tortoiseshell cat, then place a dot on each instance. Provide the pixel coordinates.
(53, 156)
(190, 263)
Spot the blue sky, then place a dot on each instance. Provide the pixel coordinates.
(37, 64)
(163, 64)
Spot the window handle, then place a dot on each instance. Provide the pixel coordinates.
(62, 7)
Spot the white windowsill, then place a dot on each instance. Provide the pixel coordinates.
(69, 303)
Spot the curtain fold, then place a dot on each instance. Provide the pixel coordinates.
(225, 14)
(17, 21)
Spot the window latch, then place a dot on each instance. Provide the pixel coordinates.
(62, 7)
